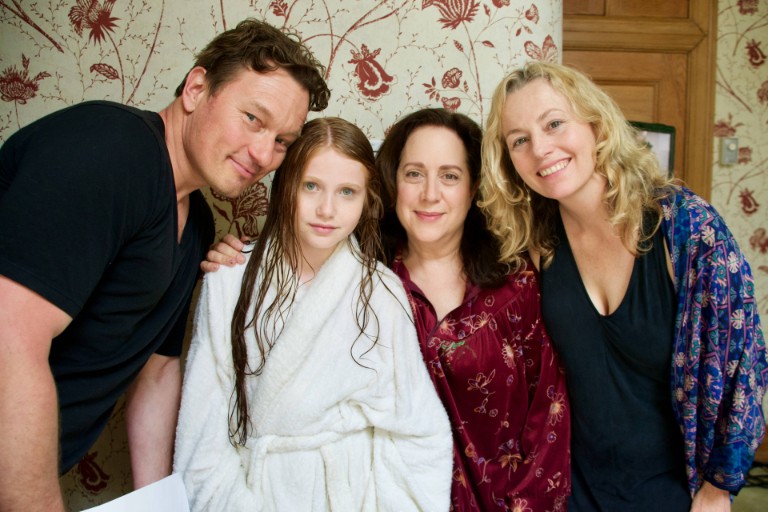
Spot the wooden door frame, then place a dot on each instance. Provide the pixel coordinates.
(696, 37)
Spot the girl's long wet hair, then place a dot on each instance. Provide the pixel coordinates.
(277, 254)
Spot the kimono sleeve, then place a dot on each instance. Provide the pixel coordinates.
(720, 361)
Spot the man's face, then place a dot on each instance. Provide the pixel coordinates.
(235, 137)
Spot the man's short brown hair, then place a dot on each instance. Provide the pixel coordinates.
(256, 45)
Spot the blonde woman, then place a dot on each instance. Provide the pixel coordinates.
(645, 293)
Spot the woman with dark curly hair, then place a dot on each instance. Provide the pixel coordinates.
(479, 325)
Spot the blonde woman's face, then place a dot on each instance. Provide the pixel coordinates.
(552, 150)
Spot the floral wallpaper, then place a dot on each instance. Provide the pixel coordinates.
(740, 191)
(384, 59)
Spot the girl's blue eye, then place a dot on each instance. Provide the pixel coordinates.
(346, 191)
(310, 186)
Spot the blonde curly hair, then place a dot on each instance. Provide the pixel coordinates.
(524, 220)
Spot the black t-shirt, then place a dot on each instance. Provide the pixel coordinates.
(88, 221)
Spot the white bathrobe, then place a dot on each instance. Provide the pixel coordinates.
(329, 432)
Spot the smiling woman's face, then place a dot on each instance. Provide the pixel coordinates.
(552, 150)
(434, 189)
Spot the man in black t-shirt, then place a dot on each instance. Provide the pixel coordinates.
(102, 229)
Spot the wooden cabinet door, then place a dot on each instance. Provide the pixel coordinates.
(656, 59)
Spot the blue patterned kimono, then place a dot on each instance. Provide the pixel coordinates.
(719, 369)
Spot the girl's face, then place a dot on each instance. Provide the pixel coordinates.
(434, 190)
(552, 150)
(329, 204)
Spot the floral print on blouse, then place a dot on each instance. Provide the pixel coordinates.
(503, 387)
(719, 367)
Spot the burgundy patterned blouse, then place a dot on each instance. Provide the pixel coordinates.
(504, 390)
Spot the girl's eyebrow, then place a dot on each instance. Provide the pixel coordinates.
(319, 181)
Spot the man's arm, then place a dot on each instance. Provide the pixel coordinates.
(29, 425)
(151, 414)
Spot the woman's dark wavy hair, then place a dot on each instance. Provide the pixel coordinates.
(257, 45)
(480, 250)
(277, 253)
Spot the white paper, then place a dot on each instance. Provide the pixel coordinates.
(166, 495)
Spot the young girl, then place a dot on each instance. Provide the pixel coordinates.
(308, 391)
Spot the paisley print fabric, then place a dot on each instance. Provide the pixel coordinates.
(719, 367)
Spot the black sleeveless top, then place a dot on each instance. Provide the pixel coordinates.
(627, 449)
